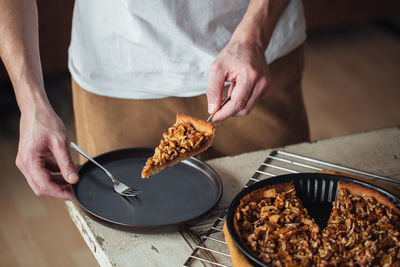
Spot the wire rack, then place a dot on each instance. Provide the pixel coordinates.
(212, 250)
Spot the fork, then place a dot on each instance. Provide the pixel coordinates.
(119, 187)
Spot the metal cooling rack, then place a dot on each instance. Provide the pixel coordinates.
(212, 250)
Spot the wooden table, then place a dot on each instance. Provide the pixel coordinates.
(375, 152)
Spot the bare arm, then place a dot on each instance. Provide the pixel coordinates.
(42, 133)
(242, 61)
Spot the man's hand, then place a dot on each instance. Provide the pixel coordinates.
(42, 135)
(247, 70)
(242, 62)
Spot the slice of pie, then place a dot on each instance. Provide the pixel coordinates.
(363, 229)
(188, 137)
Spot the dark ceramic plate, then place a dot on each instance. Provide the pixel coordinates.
(174, 196)
(317, 191)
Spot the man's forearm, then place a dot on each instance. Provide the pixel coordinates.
(259, 22)
(19, 50)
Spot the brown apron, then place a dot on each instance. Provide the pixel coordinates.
(106, 123)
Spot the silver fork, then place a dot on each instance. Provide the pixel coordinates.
(119, 187)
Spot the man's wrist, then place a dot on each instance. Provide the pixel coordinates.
(251, 35)
(258, 23)
(31, 98)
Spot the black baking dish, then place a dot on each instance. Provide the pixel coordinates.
(317, 191)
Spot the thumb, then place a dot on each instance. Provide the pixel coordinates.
(65, 164)
(214, 91)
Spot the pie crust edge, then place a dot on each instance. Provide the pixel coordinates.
(201, 126)
(360, 190)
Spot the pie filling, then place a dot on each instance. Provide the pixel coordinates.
(179, 139)
(276, 229)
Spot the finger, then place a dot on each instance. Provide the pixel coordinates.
(31, 181)
(20, 163)
(68, 188)
(60, 152)
(231, 86)
(51, 165)
(242, 92)
(59, 191)
(58, 179)
(224, 113)
(239, 97)
(77, 166)
(45, 186)
(215, 87)
(261, 89)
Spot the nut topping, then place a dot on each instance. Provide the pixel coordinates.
(278, 230)
(179, 139)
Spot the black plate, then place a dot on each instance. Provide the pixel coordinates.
(176, 195)
(317, 191)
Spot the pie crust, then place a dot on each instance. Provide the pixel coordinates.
(360, 190)
(188, 137)
(363, 229)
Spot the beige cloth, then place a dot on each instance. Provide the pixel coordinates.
(238, 258)
(104, 123)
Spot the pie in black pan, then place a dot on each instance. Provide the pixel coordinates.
(272, 226)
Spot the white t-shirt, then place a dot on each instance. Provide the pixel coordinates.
(140, 49)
